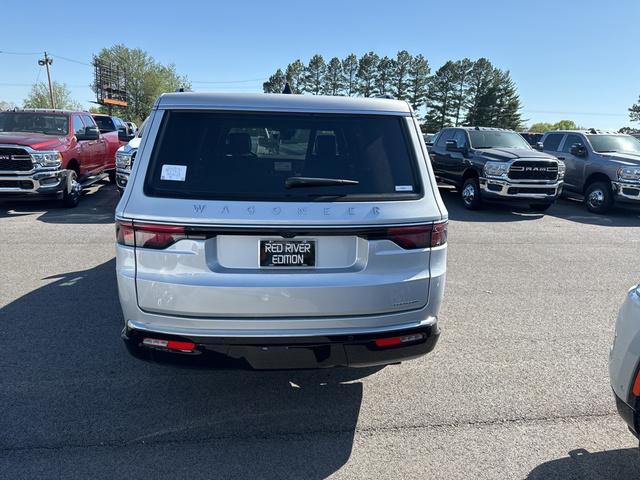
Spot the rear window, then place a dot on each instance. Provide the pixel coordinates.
(250, 156)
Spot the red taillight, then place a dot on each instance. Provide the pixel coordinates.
(636, 385)
(169, 344)
(148, 235)
(419, 236)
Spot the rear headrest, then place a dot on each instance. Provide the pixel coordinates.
(326, 146)
(239, 143)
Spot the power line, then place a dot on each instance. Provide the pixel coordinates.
(70, 60)
(20, 53)
(604, 114)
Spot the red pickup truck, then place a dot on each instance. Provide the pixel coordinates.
(53, 153)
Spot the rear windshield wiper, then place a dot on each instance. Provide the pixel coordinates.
(302, 182)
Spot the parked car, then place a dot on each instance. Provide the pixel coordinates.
(125, 157)
(624, 361)
(496, 164)
(51, 153)
(326, 249)
(133, 128)
(532, 138)
(115, 132)
(602, 167)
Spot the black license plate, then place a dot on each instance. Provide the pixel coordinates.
(287, 253)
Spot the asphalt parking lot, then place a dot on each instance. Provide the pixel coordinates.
(517, 387)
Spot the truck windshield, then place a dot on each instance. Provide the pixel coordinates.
(614, 143)
(33, 122)
(261, 157)
(497, 139)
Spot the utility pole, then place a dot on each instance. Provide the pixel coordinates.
(46, 61)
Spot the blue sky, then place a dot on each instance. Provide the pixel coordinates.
(569, 59)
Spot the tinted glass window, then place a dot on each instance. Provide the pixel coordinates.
(614, 143)
(443, 136)
(460, 137)
(571, 140)
(251, 156)
(497, 139)
(78, 126)
(552, 142)
(532, 138)
(88, 121)
(105, 124)
(48, 124)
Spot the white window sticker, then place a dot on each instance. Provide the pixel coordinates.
(176, 173)
(404, 188)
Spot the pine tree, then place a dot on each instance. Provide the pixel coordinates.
(367, 70)
(418, 81)
(349, 74)
(275, 83)
(461, 72)
(295, 76)
(439, 98)
(507, 102)
(383, 75)
(333, 80)
(314, 75)
(480, 95)
(634, 111)
(401, 66)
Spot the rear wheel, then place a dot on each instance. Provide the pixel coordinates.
(471, 193)
(540, 207)
(72, 191)
(598, 197)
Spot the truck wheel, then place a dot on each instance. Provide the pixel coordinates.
(540, 207)
(598, 197)
(112, 176)
(471, 193)
(72, 191)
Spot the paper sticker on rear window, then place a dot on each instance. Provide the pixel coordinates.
(176, 173)
(404, 188)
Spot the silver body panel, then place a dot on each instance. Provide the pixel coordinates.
(215, 286)
(624, 355)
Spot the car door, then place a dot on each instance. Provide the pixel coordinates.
(98, 148)
(574, 175)
(439, 153)
(456, 161)
(551, 144)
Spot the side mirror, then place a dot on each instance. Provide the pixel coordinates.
(123, 135)
(578, 150)
(429, 144)
(452, 146)
(538, 146)
(90, 133)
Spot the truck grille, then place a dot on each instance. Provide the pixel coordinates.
(533, 170)
(15, 160)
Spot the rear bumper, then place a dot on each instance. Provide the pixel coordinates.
(285, 352)
(506, 190)
(628, 414)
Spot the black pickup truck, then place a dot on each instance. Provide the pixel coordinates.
(496, 164)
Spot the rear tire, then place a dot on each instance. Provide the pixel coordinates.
(540, 207)
(470, 194)
(72, 191)
(598, 198)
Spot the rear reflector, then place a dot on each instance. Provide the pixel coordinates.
(636, 385)
(393, 341)
(170, 344)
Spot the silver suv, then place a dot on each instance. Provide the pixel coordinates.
(601, 167)
(281, 231)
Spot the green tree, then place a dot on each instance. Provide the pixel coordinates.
(333, 78)
(506, 102)
(565, 125)
(481, 94)
(295, 76)
(39, 97)
(383, 75)
(418, 81)
(146, 78)
(275, 83)
(634, 111)
(440, 98)
(314, 75)
(461, 71)
(349, 74)
(400, 75)
(6, 105)
(541, 127)
(367, 72)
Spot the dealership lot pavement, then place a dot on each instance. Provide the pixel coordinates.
(516, 388)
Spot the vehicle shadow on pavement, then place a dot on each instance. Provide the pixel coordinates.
(75, 403)
(581, 464)
(97, 205)
(564, 208)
